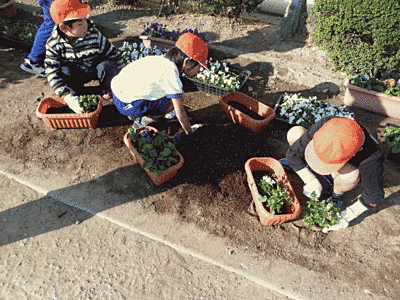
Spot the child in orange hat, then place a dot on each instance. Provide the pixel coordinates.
(77, 53)
(346, 154)
(150, 87)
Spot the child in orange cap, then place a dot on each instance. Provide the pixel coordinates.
(77, 53)
(343, 151)
(150, 87)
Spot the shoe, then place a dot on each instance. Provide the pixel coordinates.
(32, 68)
(139, 122)
(285, 164)
(171, 115)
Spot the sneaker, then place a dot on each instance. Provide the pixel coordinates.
(171, 115)
(32, 68)
(140, 122)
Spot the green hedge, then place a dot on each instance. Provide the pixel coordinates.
(360, 36)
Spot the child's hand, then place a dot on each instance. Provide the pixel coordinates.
(73, 103)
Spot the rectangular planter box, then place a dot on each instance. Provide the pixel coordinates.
(8, 10)
(238, 117)
(372, 101)
(8, 42)
(216, 90)
(273, 166)
(166, 174)
(149, 41)
(72, 120)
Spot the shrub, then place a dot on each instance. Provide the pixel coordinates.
(360, 36)
(232, 8)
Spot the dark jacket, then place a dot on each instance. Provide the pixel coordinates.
(369, 161)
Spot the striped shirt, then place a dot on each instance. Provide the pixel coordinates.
(85, 54)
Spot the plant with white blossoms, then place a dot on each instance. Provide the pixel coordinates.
(299, 110)
(134, 51)
(219, 75)
(272, 194)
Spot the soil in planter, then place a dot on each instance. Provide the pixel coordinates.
(59, 110)
(245, 110)
(258, 175)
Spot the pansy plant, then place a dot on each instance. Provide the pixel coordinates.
(321, 213)
(272, 194)
(391, 135)
(156, 149)
(299, 110)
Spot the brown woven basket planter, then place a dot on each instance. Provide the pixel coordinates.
(72, 120)
(273, 166)
(166, 174)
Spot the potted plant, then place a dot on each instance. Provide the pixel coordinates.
(7, 8)
(321, 213)
(391, 136)
(56, 114)
(17, 33)
(382, 97)
(246, 111)
(270, 165)
(156, 34)
(155, 152)
(298, 110)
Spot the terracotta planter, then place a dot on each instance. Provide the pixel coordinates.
(273, 166)
(39, 15)
(71, 120)
(166, 174)
(8, 10)
(238, 117)
(149, 41)
(372, 101)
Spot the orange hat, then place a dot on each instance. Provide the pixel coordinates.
(194, 47)
(64, 10)
(333, 145)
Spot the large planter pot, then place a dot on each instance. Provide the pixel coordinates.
(149, 41)
(166, 174)
(69, 120)
(8, 10)
(372, 101)
(219, 91)
(273, 166)
(262, 112)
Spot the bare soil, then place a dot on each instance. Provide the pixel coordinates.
(211, 189)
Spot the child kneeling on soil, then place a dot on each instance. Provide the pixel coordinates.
(77, 53)
(150, 88)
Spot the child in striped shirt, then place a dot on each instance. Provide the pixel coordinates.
(77, 53)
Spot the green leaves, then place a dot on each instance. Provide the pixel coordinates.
(89, 103)
(156, 149)
(391, 135)
(321, 213)
(272, 194)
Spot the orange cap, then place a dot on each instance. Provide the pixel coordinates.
(333, 145)
(64, 10)
(194, 47)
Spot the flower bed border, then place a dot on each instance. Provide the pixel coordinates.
(149, 41)
(372, 101)
(8, 10)
(72, 120)
(238, 117)
(166, 174)
(272, 165)
(8, 42)
(219, 91)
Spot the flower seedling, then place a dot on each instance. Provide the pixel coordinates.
(134, 51)
(390, 86)
(391, 135)
(321, 213)
(18, 30)
(299, 110)
(160, 31)
(89, 103)
(272, 194)
(156, 149)
(219, 74)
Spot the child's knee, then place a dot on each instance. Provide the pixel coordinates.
(295, 133)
